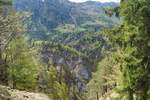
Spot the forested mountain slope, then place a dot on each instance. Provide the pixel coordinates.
(48, 14)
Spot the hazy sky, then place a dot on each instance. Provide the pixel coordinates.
(96, 0)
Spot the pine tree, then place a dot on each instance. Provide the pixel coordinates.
(22, 69)
(131, 41)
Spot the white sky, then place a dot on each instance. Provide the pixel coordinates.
(96, 0)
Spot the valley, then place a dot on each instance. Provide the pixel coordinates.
(71, 32)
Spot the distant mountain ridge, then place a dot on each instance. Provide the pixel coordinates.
(51, 13)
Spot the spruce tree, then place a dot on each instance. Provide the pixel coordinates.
(131, 41)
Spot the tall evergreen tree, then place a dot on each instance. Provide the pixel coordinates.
(131, 58)
(131, 41)
(22, 69)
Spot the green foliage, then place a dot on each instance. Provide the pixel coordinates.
(104, 79)
(131, 56)
(22, 65)
(62, 91)
(52, 82)
(132, 50)
(5, 2)
(9, 28)
(69, 28)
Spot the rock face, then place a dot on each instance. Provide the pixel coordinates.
(4, 93)
(22, 95)
(111, 95)
(7, 93)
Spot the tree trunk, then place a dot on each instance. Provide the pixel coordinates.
(97, 95)
(130, 95)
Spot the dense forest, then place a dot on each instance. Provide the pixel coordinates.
(61, 50)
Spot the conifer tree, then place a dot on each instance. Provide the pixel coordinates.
(131, 41)
(22, 69)
(130, 62)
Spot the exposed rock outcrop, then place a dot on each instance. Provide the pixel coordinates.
(7, 93)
